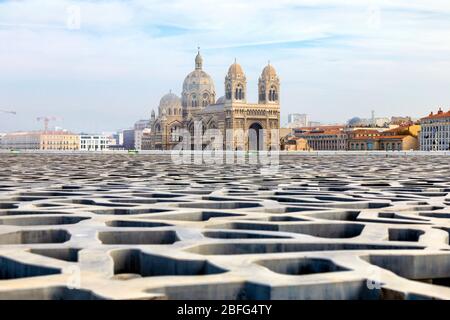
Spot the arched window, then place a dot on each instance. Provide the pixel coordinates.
(239, 92)
(273, 96)
(228, 92)
(205, 101)
(262, 93)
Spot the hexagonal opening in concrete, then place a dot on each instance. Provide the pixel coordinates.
(47, 205)
(220, 205)
(136, 224)
(89, 202)
(49, 293)
(40, 221)
(65, 254)
(429, 268)
(325, 230)
(4, 205)
(337, 215)
(230, 290)
(138, 237)
(301, 266)
(31, 212)
(281, 247)
(393, 215)
(131, 262)
(196, 216)
(13, 269)
(439, 215)
(405, 234)
(321, 230)
(156, 195)
(241, 235)
(119, 212)
(34, 237)
(286, 219)
(290, 209)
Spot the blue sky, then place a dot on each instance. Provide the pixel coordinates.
(336, 59)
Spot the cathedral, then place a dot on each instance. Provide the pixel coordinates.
(198, 104)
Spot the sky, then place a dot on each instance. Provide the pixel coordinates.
(101, 65)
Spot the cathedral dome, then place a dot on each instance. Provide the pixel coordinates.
(168, 103)
(268, 72)
(198, 87)
(198, 79)
(235, 70)
(170, 100)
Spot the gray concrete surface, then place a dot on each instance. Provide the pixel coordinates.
(117, 226)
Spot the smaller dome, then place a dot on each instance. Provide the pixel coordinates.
(235, 69)
(170, 100)
(268, 72)
(221, 100)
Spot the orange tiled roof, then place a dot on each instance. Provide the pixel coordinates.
(312, 133)
(323, 127)
(380, 138)
(393, 137)
(439, 114)
(367, 131)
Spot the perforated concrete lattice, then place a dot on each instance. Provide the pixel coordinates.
(141, 227)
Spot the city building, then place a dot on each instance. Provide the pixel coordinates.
(396, 139)
(59, 140)
(96, 142)
(296, 120)
(145, 142)
(198, 104)
(293, 143)
(48, 140)
(402, 121)
(141, 125)
(314, 124)
(129, 139)
(435, 131)
(374, 122)
(139, 128)
(325, 139)
(22, 141)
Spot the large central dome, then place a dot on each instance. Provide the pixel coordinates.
(198, 87)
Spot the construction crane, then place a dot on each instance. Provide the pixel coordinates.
(8, 111)
(46, 120)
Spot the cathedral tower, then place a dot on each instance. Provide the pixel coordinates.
(268, 86)
(198, 89)
(236, 84)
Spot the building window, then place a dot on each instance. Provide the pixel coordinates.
(239, 92)
(273, 95)
(228, 92)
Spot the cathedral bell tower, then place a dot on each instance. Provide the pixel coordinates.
(268, 86)
(236, 84)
